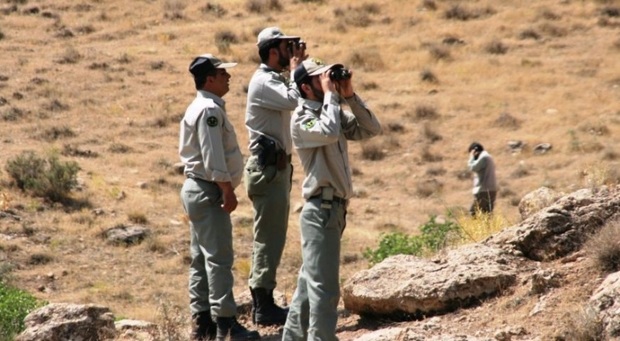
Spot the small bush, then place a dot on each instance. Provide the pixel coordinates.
(14, 306)
(215, 9)
(55, 133)
(223, 40)
(260, 6)
(47, 178)
(372, 152)
(584, 325)
(529, 34)
(429, 133)
(434, 237)
(424, 111)
(173, 9)
(604, 247)
(480, 226)
(496, 47)
(440, 53)
(427, 75)
(429, 5)
(367, 60)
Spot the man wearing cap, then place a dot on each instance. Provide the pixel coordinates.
(320, 129)
(268, 171)
(213, 168)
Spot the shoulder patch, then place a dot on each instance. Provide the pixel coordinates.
(212, 121)
(310, 124)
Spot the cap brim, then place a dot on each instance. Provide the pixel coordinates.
(226, 65)
(323, 69)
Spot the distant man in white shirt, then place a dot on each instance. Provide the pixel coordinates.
(485, 185)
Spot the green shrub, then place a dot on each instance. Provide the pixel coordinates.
(434, 236)
(47, 178)
(14, 306)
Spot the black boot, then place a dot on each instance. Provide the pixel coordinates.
(228, 326)
(265, 311)
(203, 327)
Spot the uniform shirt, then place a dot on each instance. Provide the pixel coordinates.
(208, 144)
(269, 105)
(484, 173)
(320, 132)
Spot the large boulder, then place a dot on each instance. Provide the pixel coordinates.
(561, 228)
(64, 321)
(537, 200)
(408, 286)
(605, 303)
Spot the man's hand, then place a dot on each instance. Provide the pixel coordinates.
(326, 82)
(229, 196)
(345, 87)
(297, 54)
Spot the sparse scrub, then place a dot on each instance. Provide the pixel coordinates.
(584, 325)
(173, 9)
(477, 228)
(496, 47)
(427, 75)
(428, 188)
(48, 178)
(15, 304)
(426, 112)
(372, 151)
(395, 127)
(223, 40)
(40, 259)
(260, 6)
(547, 14)
(367, 60)
(458, 12)
(506, 120)
(55, 133)
(428, 156)
(520, 172)
(171, 321)
(70, 56)
(434, 237)
(137, 218)
(429, 133)
(119, 148)
(215, 9)
(604, 247)
(440, 53)
(2, 36)
(553, 30)
(12, 114)
(429, 5)
(436, 171)
(529, 33)
(157, 64)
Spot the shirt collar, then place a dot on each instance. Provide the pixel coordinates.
(217, 99)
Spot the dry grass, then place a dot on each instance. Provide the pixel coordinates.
(112, 84)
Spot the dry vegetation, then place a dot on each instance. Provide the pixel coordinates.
(104, 84)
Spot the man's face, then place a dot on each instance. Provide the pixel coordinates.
(218, 84)
(283, 54)
(317, 90)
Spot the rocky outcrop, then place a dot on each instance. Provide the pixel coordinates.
(407, 285)
(62, 321)
(605, 303)
(537, 200)
(561, 228)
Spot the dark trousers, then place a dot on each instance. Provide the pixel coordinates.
(484, 201)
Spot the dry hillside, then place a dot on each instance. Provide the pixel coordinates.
(105, 82)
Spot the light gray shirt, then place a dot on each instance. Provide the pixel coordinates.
(320, 132)
(269, 104)
(207, 142)
(484, 173)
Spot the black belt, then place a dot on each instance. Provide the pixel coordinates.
(334, 199)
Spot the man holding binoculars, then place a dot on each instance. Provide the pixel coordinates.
(268, 171)
(320, 129)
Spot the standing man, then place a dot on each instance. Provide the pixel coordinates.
(213, 166)
(485, 185)
(320, 129)
(268, 171)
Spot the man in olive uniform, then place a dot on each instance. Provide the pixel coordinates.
(320, 129)
(213, 168)
(268, 171)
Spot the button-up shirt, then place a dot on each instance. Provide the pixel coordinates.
(484, 173)
(207, 142)
(269, 104)
(320, 132)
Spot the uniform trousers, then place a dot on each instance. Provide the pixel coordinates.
(211, 248)
(313, 311)
(269, 190)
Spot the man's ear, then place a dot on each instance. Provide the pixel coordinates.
(305, 87)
